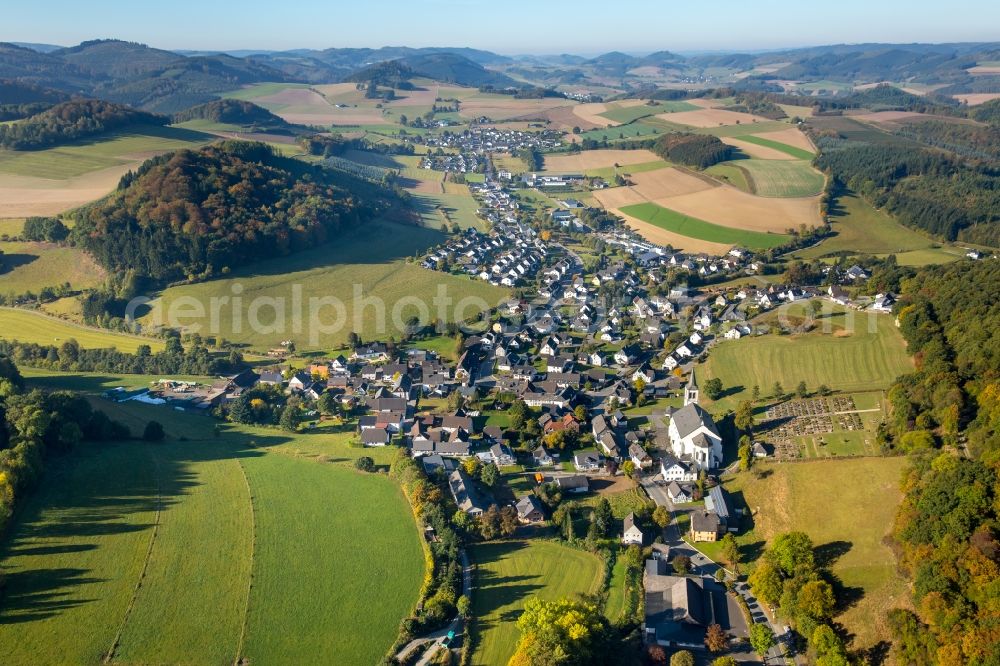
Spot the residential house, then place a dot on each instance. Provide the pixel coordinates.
(679, 494)
(530, 509)
(465, 495)
(577, 483)
(587, 460)
(502, 455)
(631, 534)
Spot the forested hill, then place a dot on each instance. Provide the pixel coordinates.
(72, 120)
(235, 112)
(947, 531)
(194, 214)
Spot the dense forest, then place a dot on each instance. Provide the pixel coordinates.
(925, 189)
(946, 528)
(70, 121)
(19, 99)
(758, 104)
(697, 150)
(235, 112)
(193, 214)
(977, 142)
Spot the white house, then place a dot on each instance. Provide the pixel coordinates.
(631, 533)
(672, 469)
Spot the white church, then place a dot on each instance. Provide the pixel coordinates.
(693, 435)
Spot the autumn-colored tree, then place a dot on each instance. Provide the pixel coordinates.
(661, 516)
(761, 638)
(716, 639)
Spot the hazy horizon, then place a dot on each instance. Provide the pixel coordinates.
(582, 27)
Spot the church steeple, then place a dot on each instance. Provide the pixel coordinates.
(691, 390)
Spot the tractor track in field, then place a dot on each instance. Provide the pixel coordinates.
(238, 659)
(110, 655)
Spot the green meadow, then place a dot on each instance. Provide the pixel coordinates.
(28, 326)
(797, 153)
(782, 178)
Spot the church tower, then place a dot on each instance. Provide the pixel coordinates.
(691, 391)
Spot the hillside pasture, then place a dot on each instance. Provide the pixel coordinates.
(508, 573)
(781, 178)
(848, 351)
(33, 327)
(596, 159)
(95, 559)
(692, 227)
(824, 499)
(711, 117)
(30, 266)
(364, 264)
(861, 229)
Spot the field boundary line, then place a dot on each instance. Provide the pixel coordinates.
(238, 659)
(145, 563)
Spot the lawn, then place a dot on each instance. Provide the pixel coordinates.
(861, 352)
(103, 151)
(28, 267)
(508, 574)
(782, 178)
(27, 326)
(861, 229)
(797, 153)
(692, 227)
(825, 499)
(369, 261)
(191, 518)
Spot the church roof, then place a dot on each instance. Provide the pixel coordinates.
(692, 382)
(690, 417)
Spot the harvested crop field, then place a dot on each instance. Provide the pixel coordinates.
(24, 196)
(565, 118)
(693, 227)
(984, 70)
(790, 137)
(592, 114)
(974, 99)
(503, 107)
(753, 150)
(705, 103)
(710, 118)
(669, 182)
(730, 207)
(597, 159)
(885, 116)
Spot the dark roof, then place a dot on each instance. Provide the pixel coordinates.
(573, 482)
(690, 417)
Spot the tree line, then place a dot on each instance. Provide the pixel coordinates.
(173, 360)
(36, 427)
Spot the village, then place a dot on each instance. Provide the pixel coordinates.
(584, 381)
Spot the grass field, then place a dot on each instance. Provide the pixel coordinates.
(782, 178)
(860, 229)
(860, 352)
(508, 574)
(32, 266)
(729, 172)
(104, 151)
(797, 153)
(825, 499)
(695, 228)
(190, 520)
(27, 326)
(370, 259)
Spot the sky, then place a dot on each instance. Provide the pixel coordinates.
(583, 27)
